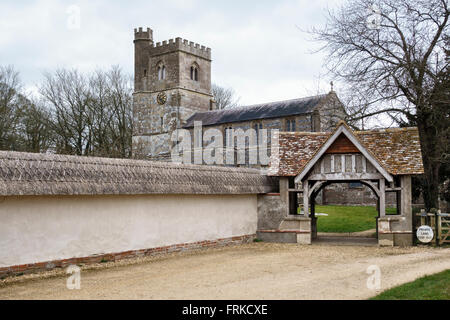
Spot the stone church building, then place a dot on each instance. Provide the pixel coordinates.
(173, 90)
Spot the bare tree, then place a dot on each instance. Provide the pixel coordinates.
(224, 97)
(393, 52)
(67, 93)
(23, 124)
(10, 102)
(121, 104)
(91, 114)
(35, 133)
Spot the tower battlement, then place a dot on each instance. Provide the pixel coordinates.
(140, 34)
(180, 44)
(172, 82)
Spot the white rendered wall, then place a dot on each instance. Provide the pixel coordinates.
(45, 228)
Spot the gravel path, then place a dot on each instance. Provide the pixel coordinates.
(254, 271)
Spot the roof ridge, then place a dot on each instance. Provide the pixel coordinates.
(305, 133)
(395, 129)
(118, 162)
(288, 100)
(262, 104)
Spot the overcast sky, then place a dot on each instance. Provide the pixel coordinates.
(258, 47)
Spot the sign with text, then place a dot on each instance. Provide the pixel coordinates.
(425, 234)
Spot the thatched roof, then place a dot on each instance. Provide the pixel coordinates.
(45, 174)
(396, 149)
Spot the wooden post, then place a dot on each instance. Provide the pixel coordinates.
(423, 218)
(406, 199)
(382, 198)
(306, 198)
(438, 227)
(433, 226)
(284, 194)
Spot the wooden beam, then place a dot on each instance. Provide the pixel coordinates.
(393, 189)
(342, 162)
(382, 198)
(332, 164)
(284, 194)
(364, 164)
(406, 199)
(314, 187)
(345, 176)
(343, 129)
(353, 163)
(306, 198)
(374, 187)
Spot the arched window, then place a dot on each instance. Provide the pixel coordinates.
(290, 125)
(161, 72)
(194, 72)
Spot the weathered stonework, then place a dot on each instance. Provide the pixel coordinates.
(153, 122)
(270, 211)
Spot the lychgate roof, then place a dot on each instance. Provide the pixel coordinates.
(259, 111)
(397, 150)
(44, 174)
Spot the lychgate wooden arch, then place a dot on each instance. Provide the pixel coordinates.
(383, 160)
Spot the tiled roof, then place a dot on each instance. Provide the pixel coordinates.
(296, 149)
(255, 112)
(44, 174)
(396, 149)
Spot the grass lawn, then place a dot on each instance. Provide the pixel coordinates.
(434, 287)
(347, 218)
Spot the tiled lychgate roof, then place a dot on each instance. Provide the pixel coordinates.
(259, 111)
(44, 174)
(396, 149)
(296, 149)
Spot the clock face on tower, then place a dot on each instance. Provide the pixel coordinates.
(161, 98)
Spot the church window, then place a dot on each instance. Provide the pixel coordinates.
(290, 125)
(194, 73)
(229, 136)
(258, 127)
(161, 72)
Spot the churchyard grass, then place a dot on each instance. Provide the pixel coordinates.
(342, 219)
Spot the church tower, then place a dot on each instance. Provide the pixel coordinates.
(172, 81)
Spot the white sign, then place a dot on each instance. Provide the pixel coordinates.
(425, 234)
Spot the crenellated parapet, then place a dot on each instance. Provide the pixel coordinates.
(179, 44)
(140, 34)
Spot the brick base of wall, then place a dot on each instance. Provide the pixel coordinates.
(49, 265)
